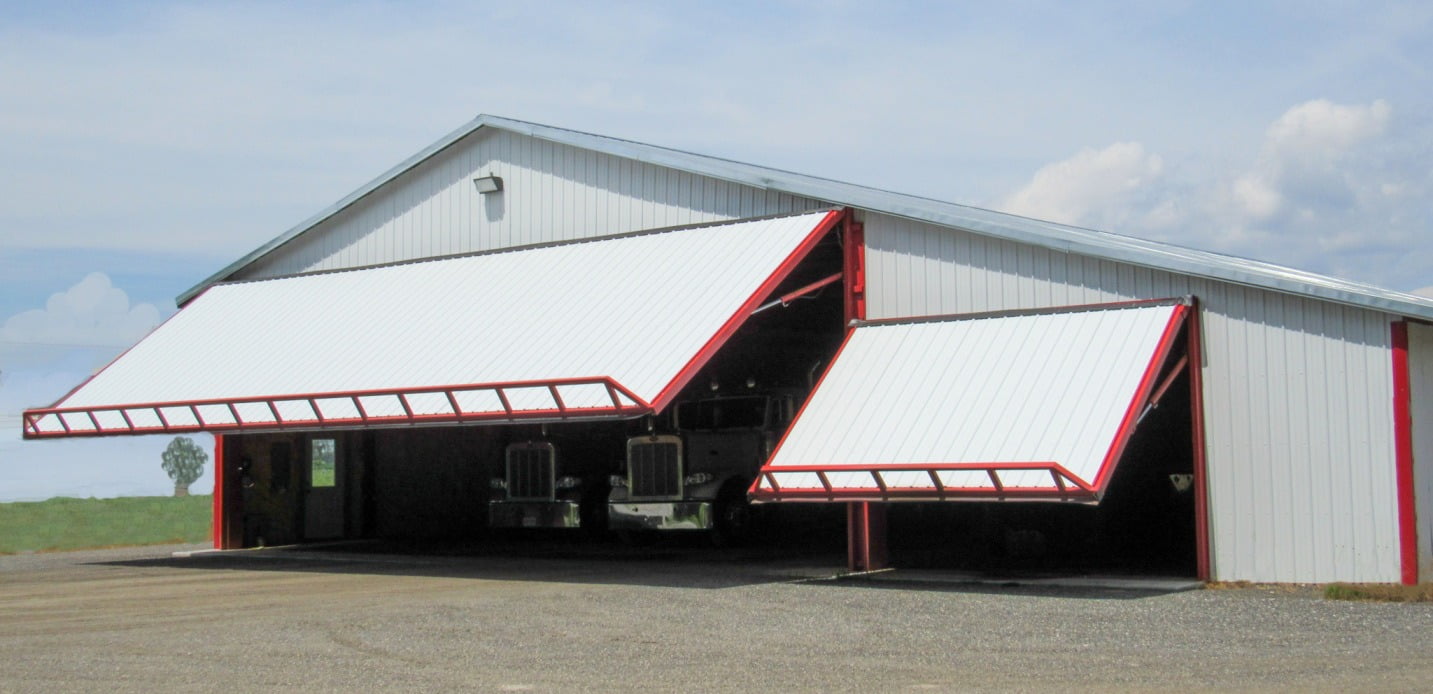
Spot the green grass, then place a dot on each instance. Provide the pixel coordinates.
(64, 523)
(1379, 592)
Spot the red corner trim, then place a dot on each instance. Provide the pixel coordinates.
(704, 355)
(855, 269)
(1202, 534)
(219, 491)
(1403, 456)
(1142, 395)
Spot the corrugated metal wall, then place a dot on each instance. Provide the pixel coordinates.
(1298, 392)
(551, 192)
(1420, 372)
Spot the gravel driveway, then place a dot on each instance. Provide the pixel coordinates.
(676, 619)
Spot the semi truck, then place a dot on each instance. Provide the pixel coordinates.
(690, 470)
(555, 477)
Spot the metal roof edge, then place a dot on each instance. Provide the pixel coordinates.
(1058, 237)
(363, 191)
(1050, 235)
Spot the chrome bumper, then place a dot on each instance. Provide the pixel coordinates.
(660, 515)
(534, 514)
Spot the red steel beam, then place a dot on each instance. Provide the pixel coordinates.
(1066, 484)
(33, 418)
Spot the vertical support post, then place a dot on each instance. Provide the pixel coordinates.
(865, 536)
(1403, 457)
(220, 490)
(854, 272)
(1195, 352)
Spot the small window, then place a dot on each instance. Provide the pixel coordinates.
(321, 465)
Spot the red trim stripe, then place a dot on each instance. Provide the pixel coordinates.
(1403, 456)
(704, 355)
(1065, 485)
(218, 509)
(319, 420)
(1142, 396)
(799, 412)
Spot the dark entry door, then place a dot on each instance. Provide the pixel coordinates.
(323, 493)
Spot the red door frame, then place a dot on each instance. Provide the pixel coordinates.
(228, 505)
(219, 492)
(1195, 346)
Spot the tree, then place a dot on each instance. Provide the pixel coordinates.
(183, 462)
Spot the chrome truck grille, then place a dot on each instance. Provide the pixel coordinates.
(654, 467)
(530, 471)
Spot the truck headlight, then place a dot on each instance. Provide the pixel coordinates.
(569, 482)
(697, 478)
(497, 483)
(617, 481)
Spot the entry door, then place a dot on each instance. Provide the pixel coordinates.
(323, 499)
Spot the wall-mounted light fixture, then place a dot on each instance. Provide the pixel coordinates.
(488, 184)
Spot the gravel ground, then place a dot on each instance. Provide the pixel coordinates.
(673, 619)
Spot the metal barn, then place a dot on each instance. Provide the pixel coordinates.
(515, 281)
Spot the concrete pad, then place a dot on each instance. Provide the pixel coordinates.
(1158, 584)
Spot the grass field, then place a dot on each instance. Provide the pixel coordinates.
(1379, 592)
(65, 523)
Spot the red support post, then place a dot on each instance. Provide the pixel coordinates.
(865, 536)
(854, 271)
(219, 492)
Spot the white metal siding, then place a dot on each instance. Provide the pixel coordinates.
(1015, 389)
(551, 192)
(1298, 398)
(1420, 373)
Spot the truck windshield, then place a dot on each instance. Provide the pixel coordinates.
(722, 413)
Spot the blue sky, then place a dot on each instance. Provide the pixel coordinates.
(144, 145)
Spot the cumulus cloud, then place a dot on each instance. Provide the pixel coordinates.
(91, 314)
(1302, 164)
(1424, 291)
(1334, 188)
(1073, 190)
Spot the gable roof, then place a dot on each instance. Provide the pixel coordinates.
(1057, 237)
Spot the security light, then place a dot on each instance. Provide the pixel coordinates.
(488, 184)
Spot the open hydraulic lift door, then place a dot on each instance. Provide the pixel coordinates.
(611, 327)
(1029, 405)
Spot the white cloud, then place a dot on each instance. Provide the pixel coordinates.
(1424, 291)
(1301, 164)
(1321, 128)
(91, 314)
(1257, 197)
(1334, 188)
(1085, 185)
